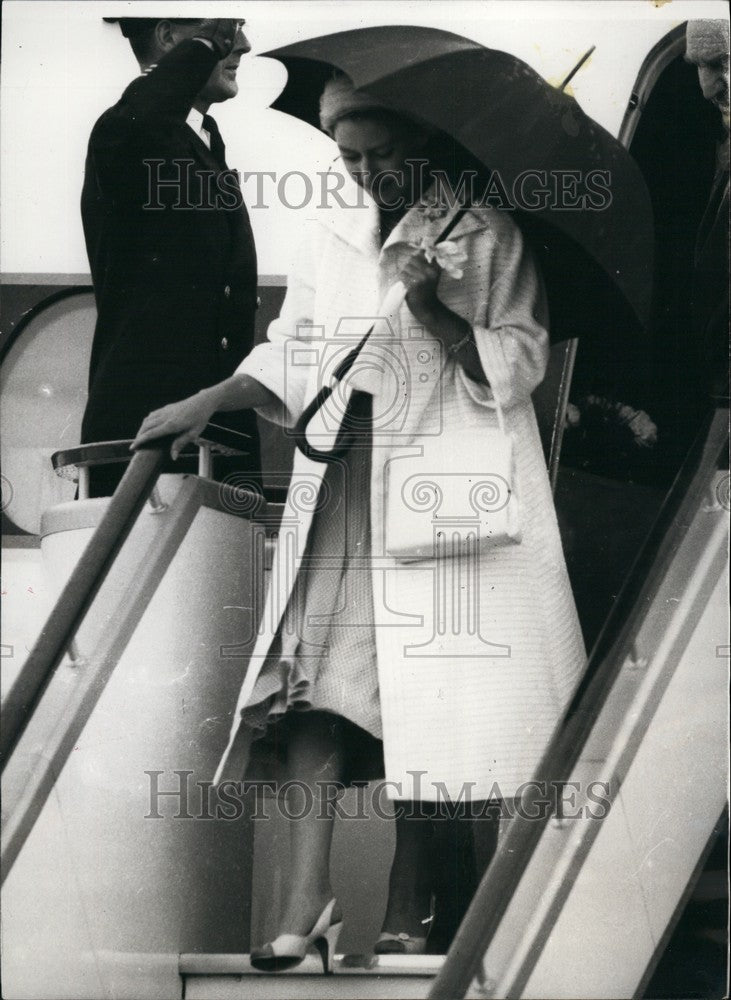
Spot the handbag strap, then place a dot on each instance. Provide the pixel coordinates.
(348, 433)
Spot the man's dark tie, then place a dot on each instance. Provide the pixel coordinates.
(218, 148)
(240, 232)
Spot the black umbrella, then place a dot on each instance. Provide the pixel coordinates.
(596, 256)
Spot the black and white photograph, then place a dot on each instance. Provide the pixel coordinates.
(364, 376)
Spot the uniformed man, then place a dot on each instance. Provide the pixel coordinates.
(170, 246)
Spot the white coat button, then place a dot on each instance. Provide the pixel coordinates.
(258, 301)
(224, 343)
(227, 291)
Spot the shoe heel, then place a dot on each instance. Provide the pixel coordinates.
(326, 944)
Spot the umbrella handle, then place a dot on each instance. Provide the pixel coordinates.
(350, 428)
(300, 431)
(347, 431)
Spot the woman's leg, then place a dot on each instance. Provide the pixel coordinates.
(410, 883)
(314, 756)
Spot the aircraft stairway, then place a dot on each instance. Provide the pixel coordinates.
(583, 892)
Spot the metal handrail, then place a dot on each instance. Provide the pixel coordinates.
(78, 595)
(500, 881)
(45, 716)
(35, 310)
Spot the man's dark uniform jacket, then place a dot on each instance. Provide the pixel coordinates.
(173, 266)
(710, 288)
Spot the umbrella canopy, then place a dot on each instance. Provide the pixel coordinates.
(596, 255)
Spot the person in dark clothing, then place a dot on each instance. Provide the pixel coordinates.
(170, 245)
(707, 47)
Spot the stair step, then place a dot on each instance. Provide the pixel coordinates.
(380, 977)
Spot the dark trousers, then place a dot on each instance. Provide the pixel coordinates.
(463, 843)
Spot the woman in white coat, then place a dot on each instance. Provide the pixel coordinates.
(465, 688)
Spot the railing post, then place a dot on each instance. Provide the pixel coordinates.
(82, 587)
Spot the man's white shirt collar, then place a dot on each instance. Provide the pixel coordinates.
(195, 120)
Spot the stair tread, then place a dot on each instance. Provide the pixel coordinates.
(230, 964)
(293, 986)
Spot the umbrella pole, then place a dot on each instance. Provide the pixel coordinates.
(577, 67)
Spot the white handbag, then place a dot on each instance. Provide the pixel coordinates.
(453, 496)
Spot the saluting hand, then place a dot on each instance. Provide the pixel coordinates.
(220, 31)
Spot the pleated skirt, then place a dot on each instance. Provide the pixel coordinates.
(323, 656)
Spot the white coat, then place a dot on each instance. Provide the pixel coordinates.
(462, 707)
